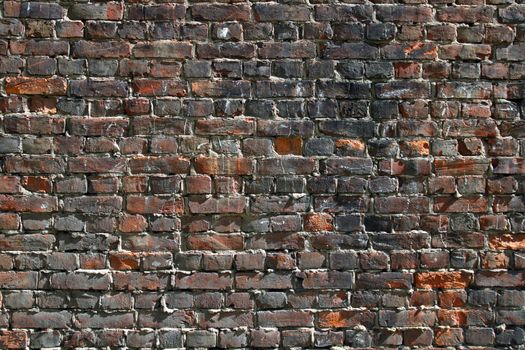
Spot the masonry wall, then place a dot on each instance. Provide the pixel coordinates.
(262, 174)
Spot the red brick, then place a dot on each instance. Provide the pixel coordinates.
(448, 336)
(36, 86)
(460, 205)
(507, 241)
(453, 279)
(37, 184)
(124, 261)
(344, 319)
(466, 14)
(318, 222)
(204, 280)
(9, 221)
(9, 184)
(132, 223)
(33, 204)
(223, 166)
(153, 88)
(229, 88)
(289, 145)
(154, 205)
(103, 49)
(215, 242)
(460, 167)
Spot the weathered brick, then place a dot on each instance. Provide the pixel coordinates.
(140, 281)
(41, 10)
(104, 49)
(80, 280)
(443, 279)
(466, 52)
(42, 319)
(348, 166)
(343, 319)
(35, 204)
(284, 89)
(18, 280)
(460, 205)
(462, 90)
(153, 204)
(105, 320)
(216, 242)
(96, 165)
(390, 13)
(285, 128)
(165, 165)
(163, 49)
(498, 279)
(94, 88)
(278, 12)
(282, 166)
(224, 88)
(343, 12)
(99, 204)
(466, 14)
(259, 280)
(36, 86)
(403, 90)
(204, 280)
(13, 339)
(220, 12)
(164, 12)
(202, 205)
(448, 336)
(364, 129)
(106, 11)
(285, 318)
(460, 167)
(417, 50)
(384, 280)
(407, 318)
(321, 280)
(292, 161)
(244, 126)
(299, 49)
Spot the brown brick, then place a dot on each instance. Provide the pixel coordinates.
(289, 145)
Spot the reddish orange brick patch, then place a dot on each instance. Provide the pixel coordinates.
(453, 279)
(289, 145)
(318, 222)
(507, 241)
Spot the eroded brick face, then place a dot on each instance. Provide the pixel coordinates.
(288, 174)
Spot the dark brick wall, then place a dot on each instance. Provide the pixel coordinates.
(301, 173)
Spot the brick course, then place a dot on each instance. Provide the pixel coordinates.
(290, 174)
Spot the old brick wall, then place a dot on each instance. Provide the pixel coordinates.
(301, 173)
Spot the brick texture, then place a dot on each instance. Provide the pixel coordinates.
(262, 174)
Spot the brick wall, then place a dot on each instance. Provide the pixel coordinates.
(262, 174)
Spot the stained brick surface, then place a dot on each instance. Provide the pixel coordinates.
(262, 174)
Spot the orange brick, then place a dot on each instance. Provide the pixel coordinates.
(454, 279)
(289, 145)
